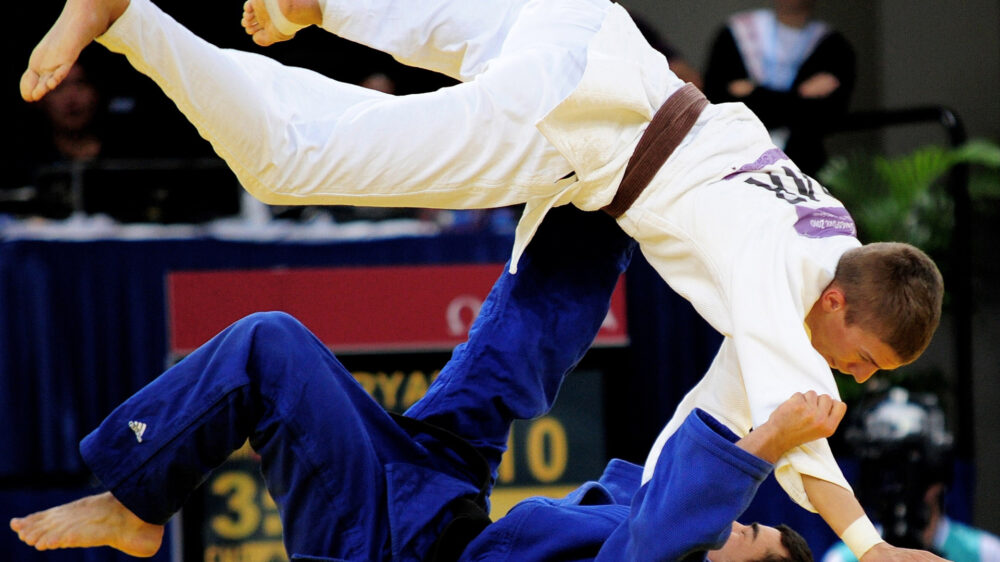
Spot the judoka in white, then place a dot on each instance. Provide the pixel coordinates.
(554, 99)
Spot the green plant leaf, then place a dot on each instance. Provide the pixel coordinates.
(896, 198)
(979, 152)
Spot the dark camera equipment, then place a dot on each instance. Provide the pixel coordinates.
(903, 448)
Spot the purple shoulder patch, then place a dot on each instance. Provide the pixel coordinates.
(824, 222)
(766, 159)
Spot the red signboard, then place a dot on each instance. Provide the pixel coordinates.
(351, 309)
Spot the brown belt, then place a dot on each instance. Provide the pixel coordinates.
(665, 131)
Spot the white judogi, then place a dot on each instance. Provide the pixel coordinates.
(555, 96)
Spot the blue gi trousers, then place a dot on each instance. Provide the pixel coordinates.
(349, 482)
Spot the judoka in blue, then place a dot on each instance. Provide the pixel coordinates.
(354, 483)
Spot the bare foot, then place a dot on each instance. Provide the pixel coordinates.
(80, 22)
(268, 28)
(99, 520)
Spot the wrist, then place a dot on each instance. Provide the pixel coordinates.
(763, 443)
(860, 536)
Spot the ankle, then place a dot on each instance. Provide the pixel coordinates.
(117, 8)
(302, 12)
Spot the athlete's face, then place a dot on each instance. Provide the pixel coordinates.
(749, 542)
(850, 349)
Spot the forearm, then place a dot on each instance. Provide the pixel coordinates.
(835, 504)
(841, 511)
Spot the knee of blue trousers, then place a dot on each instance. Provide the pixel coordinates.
(281, 351)
(272, 324)
(276, 342)
(265, 332)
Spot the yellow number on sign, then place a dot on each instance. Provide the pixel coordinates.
(547, 468)
(241, 489)
(505, 473)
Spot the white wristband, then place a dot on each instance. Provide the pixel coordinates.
(860, 536)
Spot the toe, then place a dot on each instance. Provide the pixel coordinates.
(41, 88)
(29, 81)
(262, 38)
(251, 25)
(249, 17)
(30, 536)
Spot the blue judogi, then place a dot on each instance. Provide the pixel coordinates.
(353, 484)
(702, 483)
(349, 482)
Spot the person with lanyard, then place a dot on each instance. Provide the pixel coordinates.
(561, 101)
(796, 73)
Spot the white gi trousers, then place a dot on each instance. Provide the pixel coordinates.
(296, 137)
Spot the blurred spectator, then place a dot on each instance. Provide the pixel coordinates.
(82, 150)
(68, 127)
(678, 64)
(72, 113)
(906, 466)
(794, 72)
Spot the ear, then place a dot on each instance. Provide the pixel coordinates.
(833, 299)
